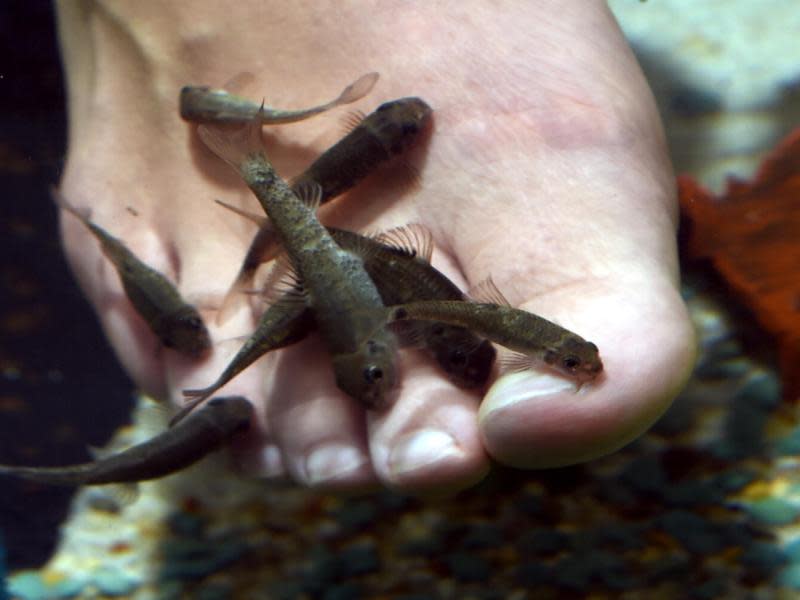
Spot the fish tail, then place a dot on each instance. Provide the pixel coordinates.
(64, 204)
(195, 398)
(358, 89)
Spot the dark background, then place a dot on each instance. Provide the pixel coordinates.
(61, 388)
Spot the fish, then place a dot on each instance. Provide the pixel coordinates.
(385, 133)
(337, 287)
(177, 324)
(204, 104)
(202, 433)
(534, 340)
(398, 263)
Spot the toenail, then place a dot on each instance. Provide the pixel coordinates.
(514, 388)
(332, 461)
(421, 449)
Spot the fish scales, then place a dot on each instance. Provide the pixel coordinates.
(176, 323)
(383, 134)
(203, 432)
(400, 276)
(518, 330)
(340, 292)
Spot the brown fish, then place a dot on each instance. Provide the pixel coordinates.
(338, 289)
(203, 104)
(387, 132)
(536, 341)
(177, 324)
(398, 263)
(200, 434)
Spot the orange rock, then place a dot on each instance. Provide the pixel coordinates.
(751, 235)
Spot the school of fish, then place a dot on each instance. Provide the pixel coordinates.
(366, 295)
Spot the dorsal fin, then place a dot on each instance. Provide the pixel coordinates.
(413, 239)
(486, 292)
(352, 120)
(283, 283)
(239, 82)
(310, 194)
(260, 220)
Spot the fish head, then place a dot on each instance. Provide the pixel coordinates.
(465, 357)
(185, 332)
(369, 374)
(575, 357)
(399, 123)
(231, 414)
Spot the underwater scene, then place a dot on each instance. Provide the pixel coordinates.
(109, 492)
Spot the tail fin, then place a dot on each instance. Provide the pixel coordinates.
(65, 204)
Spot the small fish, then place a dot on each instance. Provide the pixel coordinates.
(536, 341)
(380, 136)
(203, 104)
(283, 323)
(338, 289)
(203, 432)
(177, 324)
(398, 263)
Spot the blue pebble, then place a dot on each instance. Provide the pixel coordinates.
(764, 555)
(792, 550)
(790, 577)
(695, 534)
(29, 585)
(115, 582)
(790, 445)
(773, 511)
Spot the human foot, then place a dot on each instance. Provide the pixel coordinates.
(547, 171)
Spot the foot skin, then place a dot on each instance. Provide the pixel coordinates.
(547, 170)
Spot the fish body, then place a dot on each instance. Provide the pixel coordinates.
(385, 133)
(339, 291)
(401, 275)
(382, 135)
(533, 337)
(204, 104)
(201, 433)
(177, 324)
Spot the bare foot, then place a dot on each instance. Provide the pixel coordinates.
(547, 171)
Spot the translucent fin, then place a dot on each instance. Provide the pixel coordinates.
(260, 220)
(352, 120)
(409, 333)
(66, 205)
(239, 82)
(310, 193)
(195, 401)
(234, 144)
(284, 283)
(358, 89)
(486, 291)
(515, 361)
(414, 239)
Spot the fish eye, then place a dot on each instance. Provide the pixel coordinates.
(458, 357)
(409, 128)
(400, 313)
(373, 374)
(438, 330)
(571, 362)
